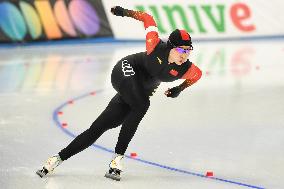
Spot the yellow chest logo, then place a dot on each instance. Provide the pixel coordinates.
(160, 61)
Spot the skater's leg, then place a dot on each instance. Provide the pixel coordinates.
(111, 117)
(139, 104)
(131, 90)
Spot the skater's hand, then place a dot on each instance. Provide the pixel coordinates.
(117, 11)
(173, 92)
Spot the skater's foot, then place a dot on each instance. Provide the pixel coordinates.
(49, 166)
(115, 168)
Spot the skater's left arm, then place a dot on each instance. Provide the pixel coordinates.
(192, 75)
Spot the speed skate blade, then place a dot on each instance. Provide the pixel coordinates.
(41, 172)
(113, 176)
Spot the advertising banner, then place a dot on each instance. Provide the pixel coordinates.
(33, 20)
(205, 19)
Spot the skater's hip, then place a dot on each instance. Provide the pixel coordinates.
(123, 71)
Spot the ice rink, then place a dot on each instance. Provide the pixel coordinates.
(231, 122)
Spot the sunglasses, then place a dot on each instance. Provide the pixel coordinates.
(182, 50)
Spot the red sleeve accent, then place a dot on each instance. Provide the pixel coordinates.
(193, 74)
(152, 37)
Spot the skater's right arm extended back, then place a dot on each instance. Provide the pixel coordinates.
(152, 36)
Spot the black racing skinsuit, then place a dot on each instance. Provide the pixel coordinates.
(135, 78)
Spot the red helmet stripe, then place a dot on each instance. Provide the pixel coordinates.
(184, 35)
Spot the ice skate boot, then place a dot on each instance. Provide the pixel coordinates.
(49, 166)
(115, 168)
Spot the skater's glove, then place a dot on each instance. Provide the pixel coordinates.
(173, 92)
(117, 11)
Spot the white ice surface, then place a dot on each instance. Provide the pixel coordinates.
(231, 122)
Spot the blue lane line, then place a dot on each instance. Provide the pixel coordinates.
(66, 131)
